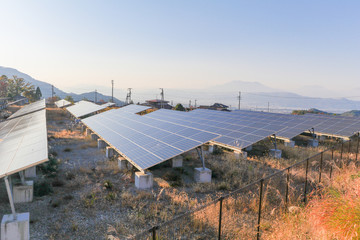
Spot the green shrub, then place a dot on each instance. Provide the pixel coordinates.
(108, 184)
(42, 188)
(49, 168)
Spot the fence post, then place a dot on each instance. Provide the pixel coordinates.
(349, 146)
(287, 189)
(320, 168)
(306, 175)
(332, 159)
(154, 233)
(357, 147)
(220, 215)
(259, 213)
(341, 151)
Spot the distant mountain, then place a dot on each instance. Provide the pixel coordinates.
(242, 86)
(353, 113)
(46, 88)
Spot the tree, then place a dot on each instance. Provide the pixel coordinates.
(17, 86)
(69, 98)
(179, 107)
(30, 94)
(3, 86)
(38, 94)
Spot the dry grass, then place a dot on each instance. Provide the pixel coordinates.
(334, 214)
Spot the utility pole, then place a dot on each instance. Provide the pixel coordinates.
(162, 98)
(112, 91)
(189, 104)
(239, 98)
(195, 103)
(268, 106)
(95, 96)
(52, 91)
(128, 96)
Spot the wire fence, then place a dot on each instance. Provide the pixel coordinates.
(246, 212)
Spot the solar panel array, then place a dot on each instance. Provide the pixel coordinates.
(23, 143)
(143, 141)
(83, 108)
(236, 131)
(29, 108)
(296, 124)
(132, 108)
(293, 125)
(62, 103)
(334, 125)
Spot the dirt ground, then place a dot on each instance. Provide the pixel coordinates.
(92, 199)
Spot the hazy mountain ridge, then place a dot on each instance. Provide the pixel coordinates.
(254, 95)
(46, 88)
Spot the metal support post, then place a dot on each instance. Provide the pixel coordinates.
(22, 177)
(11, 199)
(201, 155)
(342, 149)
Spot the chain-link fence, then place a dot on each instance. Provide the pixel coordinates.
(245, 212)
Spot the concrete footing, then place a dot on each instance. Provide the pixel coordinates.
(202, 175)
(101, 143)
(240, 154)
(30, 172)
(211, 148)
(144, 180)
(88, 132)
(249, 148)
(23, 193)
(15, 229)
(94, 137)
(275, 153)
(110, 152)
(313, 143)
(289, 143)
(321, 137)
(123, 163)
(177, 162)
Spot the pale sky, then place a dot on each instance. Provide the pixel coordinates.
(188, 43)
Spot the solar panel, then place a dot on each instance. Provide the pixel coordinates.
(143, 141)
(132, 108)
(32, 107)
(83, 108)
(23, 143)
(334, 125)
(237, 131)
(62, 103)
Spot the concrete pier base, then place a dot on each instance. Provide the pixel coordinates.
(88, 132)
(101, 143)
(110, 152)
(177, 161)
(144, 180)
(240, 155)
(313, 143)
(94, 137)
(123, 163)
(275, 153)
(24, 193)
(211, 148)
(321, 137)
(15, 229)
(30, 172)
(289, 143)
(249, 148)
(202, 175)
